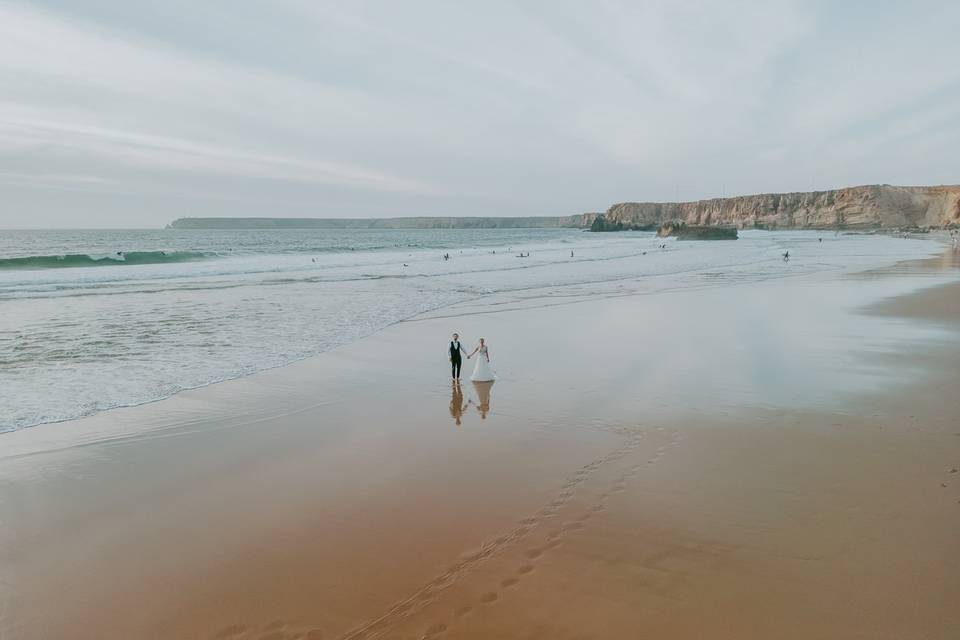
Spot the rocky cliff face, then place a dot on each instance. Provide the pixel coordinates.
(868, 207)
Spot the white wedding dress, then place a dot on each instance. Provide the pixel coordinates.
(482, 371)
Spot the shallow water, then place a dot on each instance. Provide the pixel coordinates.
(91, 320)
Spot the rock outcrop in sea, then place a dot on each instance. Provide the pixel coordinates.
(684, 231)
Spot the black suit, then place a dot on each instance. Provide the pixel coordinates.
(455, 361)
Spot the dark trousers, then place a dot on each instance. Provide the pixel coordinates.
(455, 363)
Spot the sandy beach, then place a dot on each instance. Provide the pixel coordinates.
(775, 459)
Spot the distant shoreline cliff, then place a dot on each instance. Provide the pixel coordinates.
(865, 207)
(451, 222)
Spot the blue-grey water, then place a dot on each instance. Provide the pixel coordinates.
(91, 320)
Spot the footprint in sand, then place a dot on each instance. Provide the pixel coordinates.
(434, 630)
(526, 525)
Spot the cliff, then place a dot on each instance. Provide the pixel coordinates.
(866, 207)
(574, 221)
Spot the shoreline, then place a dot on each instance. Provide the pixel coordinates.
(349, 505)
(605, 288)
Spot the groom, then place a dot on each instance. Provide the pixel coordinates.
(455, 350)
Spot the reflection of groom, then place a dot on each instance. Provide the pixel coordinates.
(457, 405)
(455, 361)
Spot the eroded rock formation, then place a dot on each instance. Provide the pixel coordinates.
(684, 231)
(868, 207)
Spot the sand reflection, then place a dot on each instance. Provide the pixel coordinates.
(457, 406)
(483, 397)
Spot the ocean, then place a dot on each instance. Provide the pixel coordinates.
(96, 319)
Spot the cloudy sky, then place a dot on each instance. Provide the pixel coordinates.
(125, 113)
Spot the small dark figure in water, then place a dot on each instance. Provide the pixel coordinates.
(786, 256)
(405, 264)
(571, 254)
(819, 239)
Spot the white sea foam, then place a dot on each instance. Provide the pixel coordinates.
(74, 341)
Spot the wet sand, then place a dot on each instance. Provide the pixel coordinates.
(746, 461)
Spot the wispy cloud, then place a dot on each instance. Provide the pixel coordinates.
(446, 108)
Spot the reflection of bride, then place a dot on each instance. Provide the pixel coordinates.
(483, 397)
(482, 371)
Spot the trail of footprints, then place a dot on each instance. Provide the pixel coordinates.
(428, 594)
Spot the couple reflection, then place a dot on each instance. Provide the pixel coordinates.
(458, 407)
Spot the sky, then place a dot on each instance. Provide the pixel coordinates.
(126, 113)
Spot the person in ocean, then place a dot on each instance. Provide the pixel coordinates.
(453, 353)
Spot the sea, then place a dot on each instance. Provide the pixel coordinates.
(96, 319)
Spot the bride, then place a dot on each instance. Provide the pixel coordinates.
(482, 372)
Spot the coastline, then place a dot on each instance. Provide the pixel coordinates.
(189, 332)
(657, 473)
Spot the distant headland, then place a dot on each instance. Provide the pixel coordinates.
(421, 222)
(863, 207)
